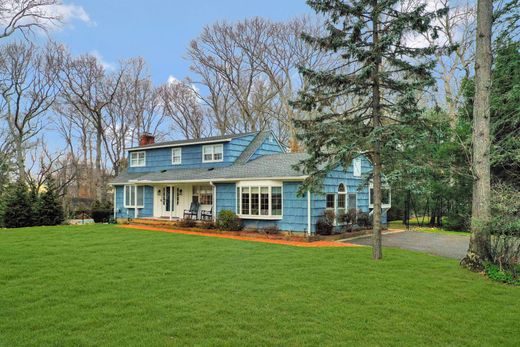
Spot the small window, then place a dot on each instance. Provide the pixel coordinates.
(341, 188)
(137, 159)
(212, 153)
(341, 201)
(176, 156)
(330, 201)
(357, 167)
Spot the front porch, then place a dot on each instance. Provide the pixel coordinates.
(168, 202)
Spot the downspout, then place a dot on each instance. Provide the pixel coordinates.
(309, 231)
(214, 202)
(115, 213)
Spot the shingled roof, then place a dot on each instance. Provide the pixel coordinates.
(264, 167)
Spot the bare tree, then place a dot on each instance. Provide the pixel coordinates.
(28, 90)
(88, 89)
(24, 16)
(181, 104)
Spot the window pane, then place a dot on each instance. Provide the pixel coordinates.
(371, 196)
(357, 167)
(132, 196)
(385, 198)
(245, 200)
(238, 201)
(255, 200)
(341, 187)
(276, 201)
(352, 201)
(140, 196)
(127, 195)
(218, 152)
(341, 200)
(330, 201)
(264, 201)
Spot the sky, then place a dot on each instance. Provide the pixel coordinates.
(158, 30)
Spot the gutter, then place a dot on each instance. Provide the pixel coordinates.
(219, 180)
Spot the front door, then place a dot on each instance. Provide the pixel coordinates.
(168, 201)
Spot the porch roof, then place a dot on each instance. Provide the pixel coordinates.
(268, 167)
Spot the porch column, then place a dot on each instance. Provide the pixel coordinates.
(171, 201)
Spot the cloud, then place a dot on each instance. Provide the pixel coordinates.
(70, 13)
(106, 64)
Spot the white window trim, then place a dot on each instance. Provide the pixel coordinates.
(180, 155)
(371, 205)
(137, 160)
(259, 185)
(213, 153)
(357, 163)
(134, 187)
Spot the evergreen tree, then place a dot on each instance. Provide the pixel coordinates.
(19, 208)
(50, 209)
(368, 103)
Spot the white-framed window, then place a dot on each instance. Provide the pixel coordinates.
(357, 167)
(330, 203)
(386, 197)
(212, 153)
(176, 156)
(203, 195)
(137, 159)
(133, 196)
(260, 201)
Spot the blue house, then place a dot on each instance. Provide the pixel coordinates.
(250, 174)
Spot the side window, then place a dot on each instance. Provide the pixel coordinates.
(176, 156)
(331, 203)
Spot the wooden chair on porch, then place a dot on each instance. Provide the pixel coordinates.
(206, 215)
(193, 211)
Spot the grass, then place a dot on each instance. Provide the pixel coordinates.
(415, 226)
(103, 285)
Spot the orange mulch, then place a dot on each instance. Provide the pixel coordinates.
(225, 235)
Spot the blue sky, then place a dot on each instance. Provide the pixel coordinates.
(160, 31)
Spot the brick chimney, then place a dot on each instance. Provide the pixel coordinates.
(146, 139)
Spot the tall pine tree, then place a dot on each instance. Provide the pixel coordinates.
(368, 103)
(50, 209)
(19, 208)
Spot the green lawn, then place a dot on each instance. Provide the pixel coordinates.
(414, 225)
(103, 285)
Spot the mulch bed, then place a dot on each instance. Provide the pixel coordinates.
(297, 241)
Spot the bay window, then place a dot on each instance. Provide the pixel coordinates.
(261, 201)
(133, 196)
(137, 159)
(212, 153)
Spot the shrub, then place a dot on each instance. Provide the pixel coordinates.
(325, 224)
(101, 212)
(228, 220)
(456, 221)
(207, 224)
(49, 208)
(187, 223)
(496, 274)
(19, 208)
(270, 230)
(363, 219)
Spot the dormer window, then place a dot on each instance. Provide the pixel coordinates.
(212, 153)
(176, 156)
(137, 159)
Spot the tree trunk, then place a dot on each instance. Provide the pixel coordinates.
(20, 159)
(481, 212)
(377, 252)
(98, 181)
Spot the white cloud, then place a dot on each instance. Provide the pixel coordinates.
(106, 64)
(71, 13)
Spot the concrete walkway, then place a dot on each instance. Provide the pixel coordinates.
(445, 245)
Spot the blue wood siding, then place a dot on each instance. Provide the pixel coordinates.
(226, 197)
(161, 158)
(122, 212)
(269, 146)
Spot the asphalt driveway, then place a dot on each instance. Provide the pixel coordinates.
(446, 245)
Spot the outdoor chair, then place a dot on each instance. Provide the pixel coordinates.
(193, 211)
(207, 215)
